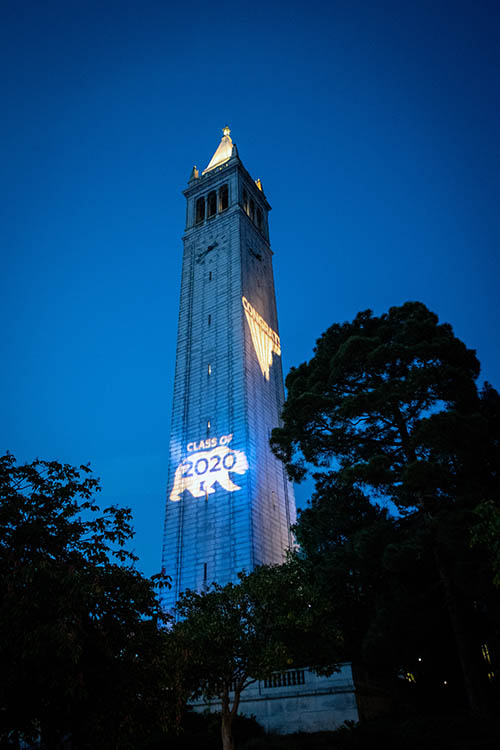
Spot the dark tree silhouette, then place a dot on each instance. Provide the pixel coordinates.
(388, 408)
(81, 647)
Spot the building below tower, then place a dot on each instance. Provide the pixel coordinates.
(298, 701)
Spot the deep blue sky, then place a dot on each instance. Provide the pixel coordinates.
(373, 125)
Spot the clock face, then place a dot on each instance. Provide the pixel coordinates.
(266, 342)
(202, 254)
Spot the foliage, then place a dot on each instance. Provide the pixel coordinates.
(388, 410)
(388, 398)
(486, 533)
(203, 730)
(377, 574)
(235, 634)
(433, 733)
(80, 639)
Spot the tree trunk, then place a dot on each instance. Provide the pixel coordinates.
(226, 731)
(226, 722)
(227, 715)
(472, 684)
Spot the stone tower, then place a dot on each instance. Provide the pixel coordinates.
(229, 503)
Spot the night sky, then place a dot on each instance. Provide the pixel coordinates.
(373, 125)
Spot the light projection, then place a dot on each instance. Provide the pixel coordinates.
(203, 468)
(265, 340)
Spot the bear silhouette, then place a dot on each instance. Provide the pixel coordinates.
(201, 470)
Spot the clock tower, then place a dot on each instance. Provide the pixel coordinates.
(229, 503)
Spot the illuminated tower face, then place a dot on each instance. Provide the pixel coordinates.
(229, 504)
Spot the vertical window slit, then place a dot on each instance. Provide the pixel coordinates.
(200, 210)
(223, 198)
(211, 204)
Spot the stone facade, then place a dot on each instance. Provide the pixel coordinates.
(298, 701)
(229, 503)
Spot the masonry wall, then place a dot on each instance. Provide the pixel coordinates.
(298, 701)
(220, 394)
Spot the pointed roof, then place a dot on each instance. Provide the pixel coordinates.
(223, 152)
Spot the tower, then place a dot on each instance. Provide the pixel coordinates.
(229, 503)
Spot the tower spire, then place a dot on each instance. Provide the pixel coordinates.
(223, 152)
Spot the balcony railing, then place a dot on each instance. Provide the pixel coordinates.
(285, 679)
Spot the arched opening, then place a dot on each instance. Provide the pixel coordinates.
(200, 210)
(246, 206)
(259, 217)
(211, 204)
(223, 198)
(252, 210)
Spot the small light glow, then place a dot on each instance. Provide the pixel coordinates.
(209, 369)
(445, 682)
(486, 653)
(419, 658)
(265, 340)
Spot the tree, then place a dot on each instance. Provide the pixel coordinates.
(377, 574)
(232, 635)
(388, 406)
(486, 534)
(342, 539)
(81, 644)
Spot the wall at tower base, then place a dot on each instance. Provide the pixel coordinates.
(318, 704)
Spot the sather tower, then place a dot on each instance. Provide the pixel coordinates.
(229, 503)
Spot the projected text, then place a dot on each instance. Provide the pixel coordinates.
(203, 468)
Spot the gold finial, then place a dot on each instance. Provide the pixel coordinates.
(226, 130)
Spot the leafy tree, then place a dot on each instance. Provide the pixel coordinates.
(342, 539)
(388, 407)
(377, 573)
(486, 534)
(232, 635)
(486, 529)
(81, 647)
